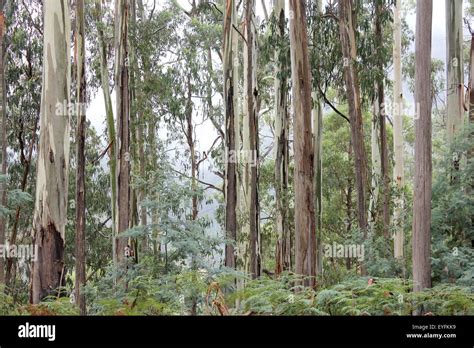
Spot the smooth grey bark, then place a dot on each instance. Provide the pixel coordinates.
(104, 78)
(454, 68)
(398, 133)
(51, 198)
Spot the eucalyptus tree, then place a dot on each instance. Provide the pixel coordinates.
(122, 141)
(3, 139)
(305, 237)
(228, 57)
(381, 119)
(471, 79)
(80, 279)
(281, 147)
(423, 166)
(317, 115)
(398, 132)
(104, 79)
(250, 146)
(455, 73)
(349, 53)
(53, 155)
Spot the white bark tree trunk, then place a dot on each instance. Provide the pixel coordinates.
(104, 78)
(398, 133)
(454, 68)
(376, 168)
(51, 199)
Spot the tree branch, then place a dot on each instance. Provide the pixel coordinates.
(326, 100)
(200, 181)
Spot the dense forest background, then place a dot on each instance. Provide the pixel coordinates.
(237, 157)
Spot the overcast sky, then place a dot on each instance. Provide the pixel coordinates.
(96, 110)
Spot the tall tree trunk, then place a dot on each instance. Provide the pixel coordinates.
(454, 62)
(104, 77)
(318, 162)
(123, 126)
(251, 151)
(355, 113)
(305, 244)
(423, 171)
(230, 156)
(3, 139)
(80, 152)
(318, 177)
(471, 82)
(194, 167)
(51, 201)
(138, 214)
(244, 157)
(380, 112)
(470, 154)
(283, 245)
(398, 132)
(376, 167)
(348, 197)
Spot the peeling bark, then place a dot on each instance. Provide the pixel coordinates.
(51, 199)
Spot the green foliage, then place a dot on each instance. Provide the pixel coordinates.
(452, 212)
(392, 296)
(445, 299)
(7, 305)
(282, 297)
(58, 306)
(387, 296)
